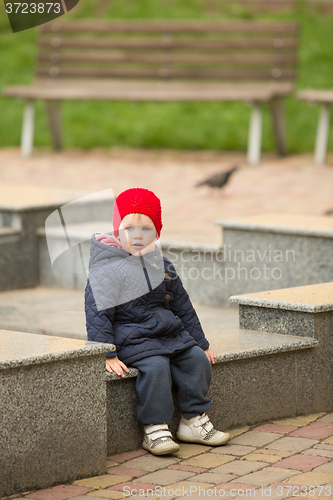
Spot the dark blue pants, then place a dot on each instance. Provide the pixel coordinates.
(189, 371)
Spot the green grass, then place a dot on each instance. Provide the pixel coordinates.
(218, 126)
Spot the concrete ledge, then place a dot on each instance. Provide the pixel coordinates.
(53, 410)
(249, 368)
(305, 312)
(282, 223)
(20, 349)
(311, 298)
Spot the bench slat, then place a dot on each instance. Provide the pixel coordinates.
(152, 26)
(169, 43)
(97, 58)
(149, 91)
(167, 73)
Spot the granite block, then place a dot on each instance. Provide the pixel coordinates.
(18, 262)
(280, 321)
(311, 298)
(251, 391)
(124, 433)
(53, 410)
(320, 266)
(264, 261)
(202, 271)
(12, 464)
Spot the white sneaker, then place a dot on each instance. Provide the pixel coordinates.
(158, 440)
(200, 430)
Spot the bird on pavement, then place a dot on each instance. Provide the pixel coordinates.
(218, 180)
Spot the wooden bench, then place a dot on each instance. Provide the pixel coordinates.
(247, 61)
(325, 98)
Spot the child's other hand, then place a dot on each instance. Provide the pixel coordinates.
(114, 365)
(210, 355)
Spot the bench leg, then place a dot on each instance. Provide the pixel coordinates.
(53, 113)
(322, 134)
(254, 144)
(28, 127)
(277, 113)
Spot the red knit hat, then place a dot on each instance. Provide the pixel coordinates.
(137, 201)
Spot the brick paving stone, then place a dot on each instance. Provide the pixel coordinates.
(167, 476)
(234, 449)
(293, 444)
(257, 439)
(278, 453)
(301, 462)
(208, 460)
(311, 478)
(237, 432)
(187, 450)
(239, 467)
(280, 429)
(214, 478)
(264, 477)
(84, 497)
(151, 462)
(237, 486)
(259, 457)
(299, 421)
(187, 468)
(327, 418)
(328, 441)
(101, 481)
(319, 452)
(134, 489)
(188, 488)
(111, 463)
(315, 430)
(328, 467)
(114, 495)
(126, 471)
(123, 457)
(60, 492)
(323, 446)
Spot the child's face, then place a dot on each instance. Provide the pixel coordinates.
(137, 234)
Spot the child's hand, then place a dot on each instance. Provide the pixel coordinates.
(114, 365)
(210, 355)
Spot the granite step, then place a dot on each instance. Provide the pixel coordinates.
(277, 250)
(254, 379)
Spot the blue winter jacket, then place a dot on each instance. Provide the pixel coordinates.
(161, 321)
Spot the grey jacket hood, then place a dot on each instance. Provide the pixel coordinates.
(117, 277)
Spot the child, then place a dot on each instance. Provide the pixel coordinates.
(135, 300)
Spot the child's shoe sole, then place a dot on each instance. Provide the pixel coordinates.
(216, 440)
(162, 449)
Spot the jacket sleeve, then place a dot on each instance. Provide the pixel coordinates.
(98, 323)
(181, 305)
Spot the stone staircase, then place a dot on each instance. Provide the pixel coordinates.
(269, 368)
(276, 364)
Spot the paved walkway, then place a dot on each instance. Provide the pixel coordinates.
(288, 458)
(292, 184)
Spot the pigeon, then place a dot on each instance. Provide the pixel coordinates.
(218, 180)
(329, 212)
